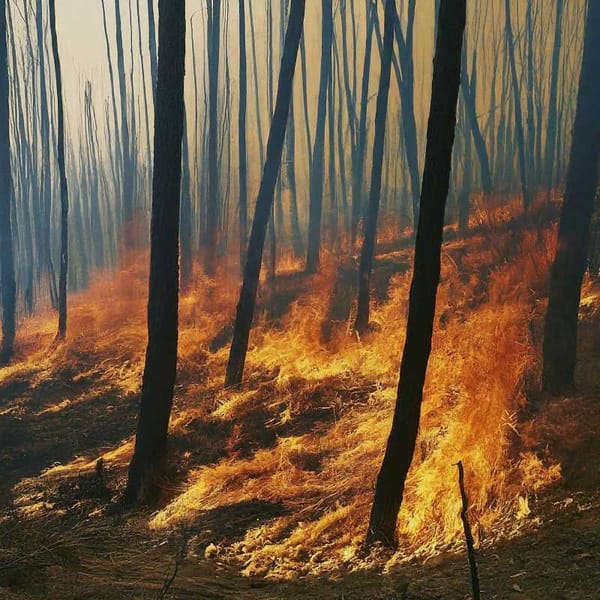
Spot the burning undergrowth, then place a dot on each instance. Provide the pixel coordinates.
(293, 455)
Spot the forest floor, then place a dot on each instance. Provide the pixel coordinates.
(61, 539)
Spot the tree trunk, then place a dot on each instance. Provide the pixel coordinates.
(318, 163)
(213, 199)
(550, 148)
(560, 335)
(264, 201)
(127, 167)
(436, 178)
(64, 190)
(243, 156)
(161, 355)
(7, 267)
(368, 247)
(510, 46)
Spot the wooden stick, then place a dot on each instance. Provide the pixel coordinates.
(468, 533)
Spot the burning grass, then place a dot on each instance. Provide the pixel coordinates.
(306, 433)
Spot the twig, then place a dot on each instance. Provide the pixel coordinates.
(468, 534)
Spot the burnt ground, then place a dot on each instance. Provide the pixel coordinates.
(80, 549)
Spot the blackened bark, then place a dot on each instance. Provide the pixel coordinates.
(64, 190)
(560, 335)
(436, 178)
(7, 267)
(213, 200)
(264, 201)
(158, 381)
(549, 152)
(318, 162)
(152, 44)
(186, 226)
(243, 157)
(368, 247)
(510, 48)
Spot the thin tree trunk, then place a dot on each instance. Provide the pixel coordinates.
(550, 148)
(264, 201)
(560, 335)
(243, 155)
(213, 199)
(436, 178)
(148, 460)
(7, 266)
(510, 46)
(64, 190)
(368, 248)
(318, 164)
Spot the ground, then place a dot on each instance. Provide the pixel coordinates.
(61, 536)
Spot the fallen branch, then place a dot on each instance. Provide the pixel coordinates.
(468, 533)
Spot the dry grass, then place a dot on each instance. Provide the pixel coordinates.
(306, 432)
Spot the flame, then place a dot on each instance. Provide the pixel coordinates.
(307, 431)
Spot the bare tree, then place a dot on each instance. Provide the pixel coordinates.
(7, 267)
(64, 190)
(560, 334)
(368, 248)
(426, 274)
(264, 201)
(158, 381)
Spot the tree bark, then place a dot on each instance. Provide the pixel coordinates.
(243, 156)
(510, 47)
(436, 178)
(318, 163)
(368, 247)
(560, 334)
(147, 464)
(264, 201)
(64, 190)
(7, 267)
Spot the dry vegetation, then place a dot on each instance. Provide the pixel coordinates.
(276, 479)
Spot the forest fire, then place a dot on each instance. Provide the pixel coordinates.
(269, 330)
(304, 435)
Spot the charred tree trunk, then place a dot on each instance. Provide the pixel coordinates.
(213, 199)
(264, 201)
(64, 190)
(243, 156)
(127, 176)
(361, 134)
(368, 247)
(7, 267)
(510, 48)
(161, 355)
(560, 334)
(436, 178)
(152, 44)
(318, 163)
(186, 225)
(549, 152)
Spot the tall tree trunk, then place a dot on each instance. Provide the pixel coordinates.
(510, 48)
(158, 381)
(318, 163)
(7, 266)
(64, 190)
(368, 248)
(469, 90)
(407, 92)
(436, 178)
(152, 43)
(213, 199)
(264, 201)
(361, 150)
(46, 183)
(550, 148)
(186, 226)
(127, 176)
(560, 335)
(243, 156)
